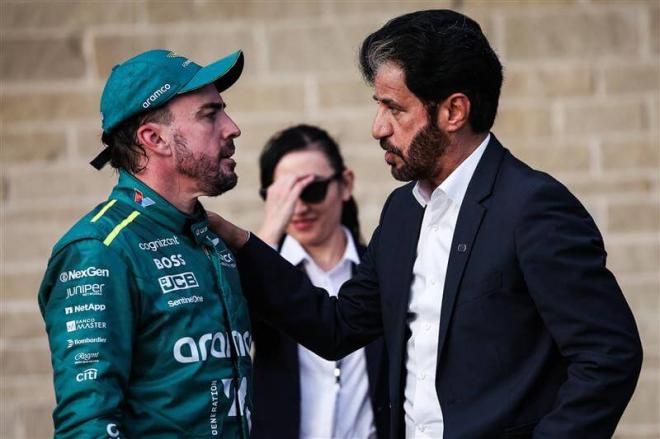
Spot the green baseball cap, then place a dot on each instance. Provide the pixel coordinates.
(151, 79)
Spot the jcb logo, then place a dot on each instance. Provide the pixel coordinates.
(176, 282)
(169, 261)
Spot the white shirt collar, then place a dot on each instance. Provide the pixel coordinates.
(456, 184)
(294, 252)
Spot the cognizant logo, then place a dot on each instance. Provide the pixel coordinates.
(158, 243)
(155, 95)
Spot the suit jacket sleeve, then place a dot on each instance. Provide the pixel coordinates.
(562, 257)
(284, 297)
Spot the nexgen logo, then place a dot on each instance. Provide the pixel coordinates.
(86, 272)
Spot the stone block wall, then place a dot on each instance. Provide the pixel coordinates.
(580, 100)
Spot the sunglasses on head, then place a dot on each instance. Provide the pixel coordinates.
(314, 192)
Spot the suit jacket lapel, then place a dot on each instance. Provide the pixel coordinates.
(467, 226)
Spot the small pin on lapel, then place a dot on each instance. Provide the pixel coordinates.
(462, 248)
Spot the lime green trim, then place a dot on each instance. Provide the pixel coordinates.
(119, 227)
(103, 211)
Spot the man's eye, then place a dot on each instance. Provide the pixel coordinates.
(211, 116)
(394, 111)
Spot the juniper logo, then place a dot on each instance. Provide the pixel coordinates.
(155, 95)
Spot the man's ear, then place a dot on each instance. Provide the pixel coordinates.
(454, 113)
(153, 136)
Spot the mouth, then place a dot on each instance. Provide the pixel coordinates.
(303, 224)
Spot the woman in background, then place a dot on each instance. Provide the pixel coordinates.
(311, 219)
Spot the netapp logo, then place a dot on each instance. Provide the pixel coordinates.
(66, 276)
(77, 342)
(186, 350)
(86, 357)
(155, 95)
(169, 261)
(98, 307)
(76, 325)
(87, 375)
(158, 243)
(184, 301)
(174, 282)
(85, 290)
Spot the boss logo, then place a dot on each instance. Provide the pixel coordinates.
(169, 261)
(174, 282)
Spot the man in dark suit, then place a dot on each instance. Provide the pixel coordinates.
(486, 277)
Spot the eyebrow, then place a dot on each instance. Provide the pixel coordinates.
(389, 102)
(211, 106)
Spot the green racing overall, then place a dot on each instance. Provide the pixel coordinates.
(148, 329)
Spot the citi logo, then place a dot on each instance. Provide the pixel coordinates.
(155, 95)
(87, 375)
(186, 350)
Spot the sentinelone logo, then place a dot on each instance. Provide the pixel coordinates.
(159, 243)
(66, 276)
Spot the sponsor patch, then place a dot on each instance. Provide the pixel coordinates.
(86, 358)
(76, 325)
(95, 307)
(227, 259)
(174, 282)
(85, 290)
(159, 243)
(68, 275)
(87, 375)
(81, 341)
(185, 301)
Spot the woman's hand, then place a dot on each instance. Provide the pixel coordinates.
(280, 204)
(232, 235)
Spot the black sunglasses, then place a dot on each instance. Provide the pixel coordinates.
(314, 192)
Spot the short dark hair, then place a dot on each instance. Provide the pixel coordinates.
(303, 137)
(126, 151)
(441, 52)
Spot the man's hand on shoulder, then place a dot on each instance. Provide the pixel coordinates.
(232, 235)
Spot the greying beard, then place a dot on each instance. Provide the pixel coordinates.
(206, 172)
(428, 145)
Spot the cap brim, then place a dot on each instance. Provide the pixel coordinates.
(223, 73)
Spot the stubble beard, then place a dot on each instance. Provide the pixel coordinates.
(426, 147)
(211, 180)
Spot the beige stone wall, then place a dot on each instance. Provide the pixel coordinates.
(581, 100)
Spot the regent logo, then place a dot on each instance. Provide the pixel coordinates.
(87, 375)
(227, 259)
(186, 350)
(66, 276)
(185, 301)
(86, 357)
(77, 342)
(169, 261)
(97, 307)
(155, 95)
(85, 290)
(76, 325)
(159, 243)
(174, 282)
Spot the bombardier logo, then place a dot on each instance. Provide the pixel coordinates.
(174, 282)
(66, 276)
(155, 95)
(77, 342)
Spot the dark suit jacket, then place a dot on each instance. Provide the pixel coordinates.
(277, 383)
(535, 337)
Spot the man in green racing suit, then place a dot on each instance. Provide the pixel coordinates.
(147, 325)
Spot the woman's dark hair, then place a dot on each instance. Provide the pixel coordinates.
(305, 137)
(441, 52)
(126, 152)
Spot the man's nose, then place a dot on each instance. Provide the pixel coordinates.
(380, 128)
(230, 129)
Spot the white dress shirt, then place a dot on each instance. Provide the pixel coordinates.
(334, 396)
(423, 414)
